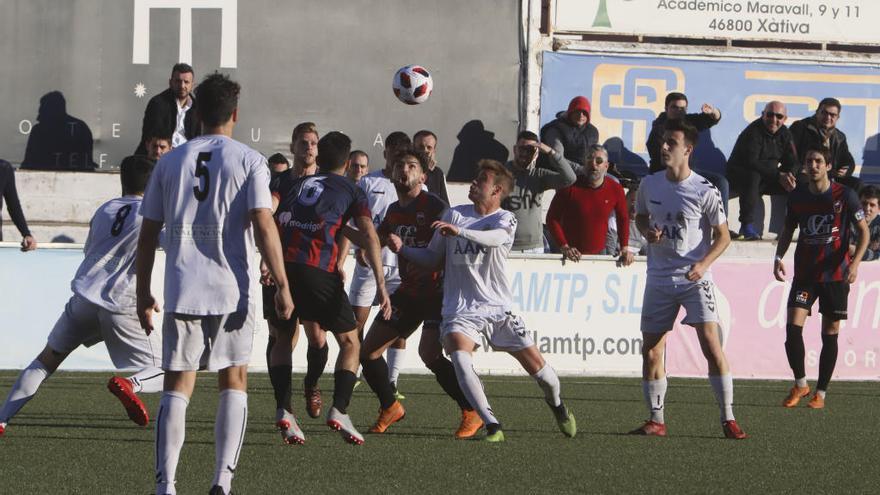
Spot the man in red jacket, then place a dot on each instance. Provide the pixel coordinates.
(578, 216)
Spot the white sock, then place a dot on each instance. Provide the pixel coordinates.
(801, 382)
(471, 386)
(549, 383)
(147, 380)
(26, 386)
(655, 395)
(229, 435)
(170, 432)
(820, 393)
(722, 385)
(394, 357)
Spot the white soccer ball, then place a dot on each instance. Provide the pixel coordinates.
(412, 84)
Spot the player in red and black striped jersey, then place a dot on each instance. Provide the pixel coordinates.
(826, 213)
(417, 301)
(312, 214)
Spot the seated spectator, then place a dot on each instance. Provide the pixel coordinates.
(571, 134)
(578, 216)
(358, 165)
(426, 142)
(820, 132)
(529, 186)
(763, 161)
(870, 198)
(676, 105)
(637, 244)
(13, 206)
(157, 146)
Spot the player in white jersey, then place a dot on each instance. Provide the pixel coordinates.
(680, 214)
(103, 306)
(362, 293)
(208, 192)
(475, 241)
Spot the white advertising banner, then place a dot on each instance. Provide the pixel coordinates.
(813, 21)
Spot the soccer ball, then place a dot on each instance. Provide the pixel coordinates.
(412, 84)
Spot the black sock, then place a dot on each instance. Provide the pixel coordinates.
(794, 349)
(491, 428)
(376, 374)
(269, 347)
(280, 378)
(316, 362)
(342, 389)
(827, 360)
(444, 372)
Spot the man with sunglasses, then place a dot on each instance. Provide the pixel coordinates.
(763, 161)
(530, 182)
(820, 132)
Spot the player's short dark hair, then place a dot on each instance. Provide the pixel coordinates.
(502, 176)
(157, 134)
(217, 99)
(397, 139)
(424, 133)
(674, 96)
(869, 191)
(278, 158)
(531, 136)
(362, 153)
(333, 151)
(826, 153)
(304, 128)
(134, 173)
(680, 125)
(422, 158)
(182, 68)
(830, 102)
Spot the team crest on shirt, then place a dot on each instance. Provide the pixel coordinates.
(420, 218)
(838, 206)
(801, 297)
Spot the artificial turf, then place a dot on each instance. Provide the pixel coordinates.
(74, 437)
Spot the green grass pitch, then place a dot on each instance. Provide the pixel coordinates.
(74, 437)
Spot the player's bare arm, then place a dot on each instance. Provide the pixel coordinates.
(651, 234)
(782, 244)
(148, 241)
(266, 237)
(861, 246)
(720, 241)
(373, 255)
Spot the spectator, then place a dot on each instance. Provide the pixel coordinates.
(59, 141)
(530, 182)
(637, 244)
(278, 163)
(676, 105)
(358, 165)
(426, 142)
(763, 161)
(870, 198)
(13, 205)
(571, 134)
(578, 216)
(820, 132)
(168, 113)
(157, 145)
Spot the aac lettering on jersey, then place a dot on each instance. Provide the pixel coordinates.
(469, 248)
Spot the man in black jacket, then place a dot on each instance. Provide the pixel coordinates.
(763, 161)
(820, 132)
(571, 134)
(168, 113)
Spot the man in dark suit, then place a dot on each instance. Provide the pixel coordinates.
(169, 112)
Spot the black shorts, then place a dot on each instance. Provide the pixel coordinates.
(269, 313)
(320, 296)
(832, 297)
(408, 312)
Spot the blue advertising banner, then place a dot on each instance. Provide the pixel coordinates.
(627, 93)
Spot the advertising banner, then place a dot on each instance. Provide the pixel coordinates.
(813, 21)
(627, 94)
(584, 317)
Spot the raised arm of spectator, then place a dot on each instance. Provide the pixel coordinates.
(13, 206)
(560, 172)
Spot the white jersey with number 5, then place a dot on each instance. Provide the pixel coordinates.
(685, 212)
(204, 191)
(106, 275)
(475, 280)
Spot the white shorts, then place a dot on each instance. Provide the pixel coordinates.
(213, 342)
(661, 304)
(502, 331)
(362, 291)
(86, 323)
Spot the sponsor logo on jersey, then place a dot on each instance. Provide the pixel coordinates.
(285, 219)
(801, 297)
(838, 206)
